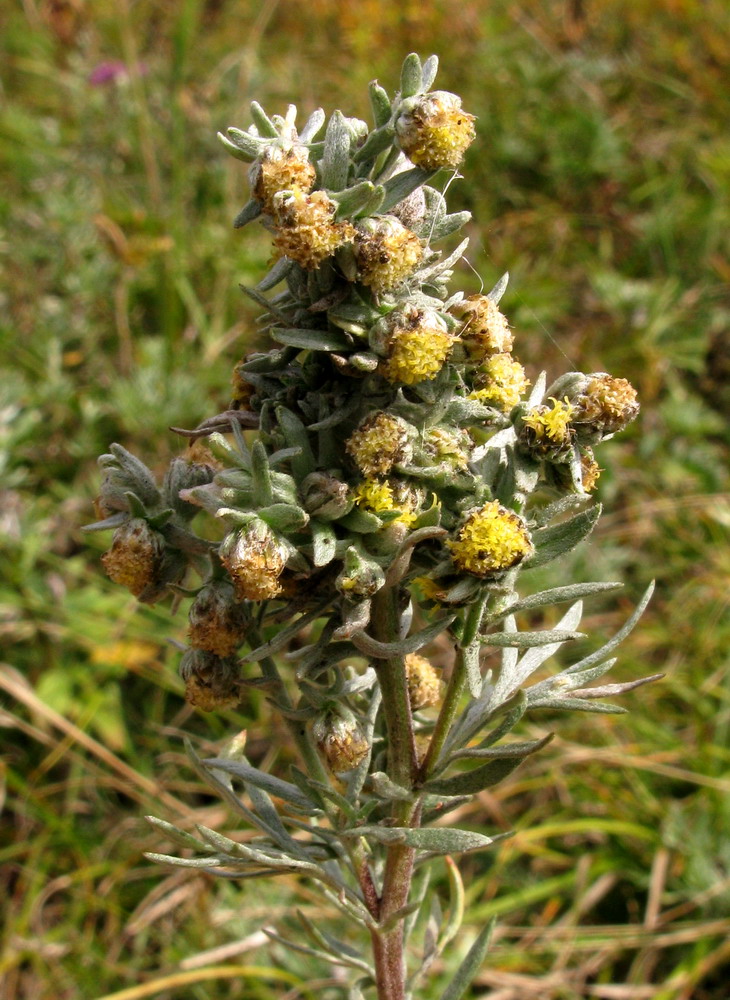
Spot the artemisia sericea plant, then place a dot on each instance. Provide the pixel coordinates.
(381, 485)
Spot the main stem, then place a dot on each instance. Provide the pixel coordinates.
(388, 943)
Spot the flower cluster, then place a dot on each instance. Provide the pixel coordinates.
(383, 474)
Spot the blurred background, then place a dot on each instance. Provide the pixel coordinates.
(600, 179)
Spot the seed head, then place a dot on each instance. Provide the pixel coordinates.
(281, 169)
(605, 406)
(492, 539)
(306, 231)
(590, 469)
(381, 441)
(485, 328)
(449, 446)
(386, 253)
(255, 560)
(500, 382)
(341, 740)
(217, 621)
(210, 681)
(424, 683)
(434, 132)
(136, 555)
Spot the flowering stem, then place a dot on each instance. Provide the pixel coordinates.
(402, 767)
(449, 709)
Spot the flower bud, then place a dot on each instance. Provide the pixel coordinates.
(545, 432)
(183, 474)
(416, 342)
(433, 131)
(386, 253)
(325, 496)
(449, 446)
(255, 560)
(424, 683)
(485, 329)
(500, 382)
(281, 169)
(306, 231)
(340, 739)
(136, 555)
(381, 441)
(491, 539)
(210, 681)
(217, 621)
(360, 577)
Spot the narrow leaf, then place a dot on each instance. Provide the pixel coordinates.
(250, 211)
(386, 650)
(558, 539)
(612, 643)
(380, 103)
(486, 776)
(400, 186)
(336, 158)
(470, 966)
(274, 786)
(439, 840)
(313, 340)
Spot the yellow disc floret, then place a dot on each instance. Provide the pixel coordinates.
(501, 382)
(551, 422)
(419, 343)
(492, 539)
(485, 330)
(435, 132)
(380, 496)
(386, 253)
(380, 442)
(306, 231)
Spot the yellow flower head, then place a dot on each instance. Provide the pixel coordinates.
(606, 405)
(281, 170)
(501, 382)
(435, 132)
(545, 430)
(306, 231)
(385, 495)
(492, 539)
(381, 441)
(135, 558)
(424, 683)
(386, 253)
(485, 330)
(419, 343)
(255, 560)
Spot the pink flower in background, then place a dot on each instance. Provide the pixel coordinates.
(112, 70)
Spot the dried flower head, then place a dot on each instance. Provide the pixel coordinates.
(255, 560)
(217, 622)
(136, 555)
(590, 470)
(306, 231)
(281, 169)
(417, 346)
(381, 441)
(386, 253)
(492, 539)
(341, 739)
(605, 406)
(500, 382)
(485, 329)
(211, 681)
(325, 496)
(434, 131)
(424, 682)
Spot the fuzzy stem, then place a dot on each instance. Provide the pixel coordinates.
(402, 767)
(449, 709)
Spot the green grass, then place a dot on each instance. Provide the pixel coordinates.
(600, 182)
